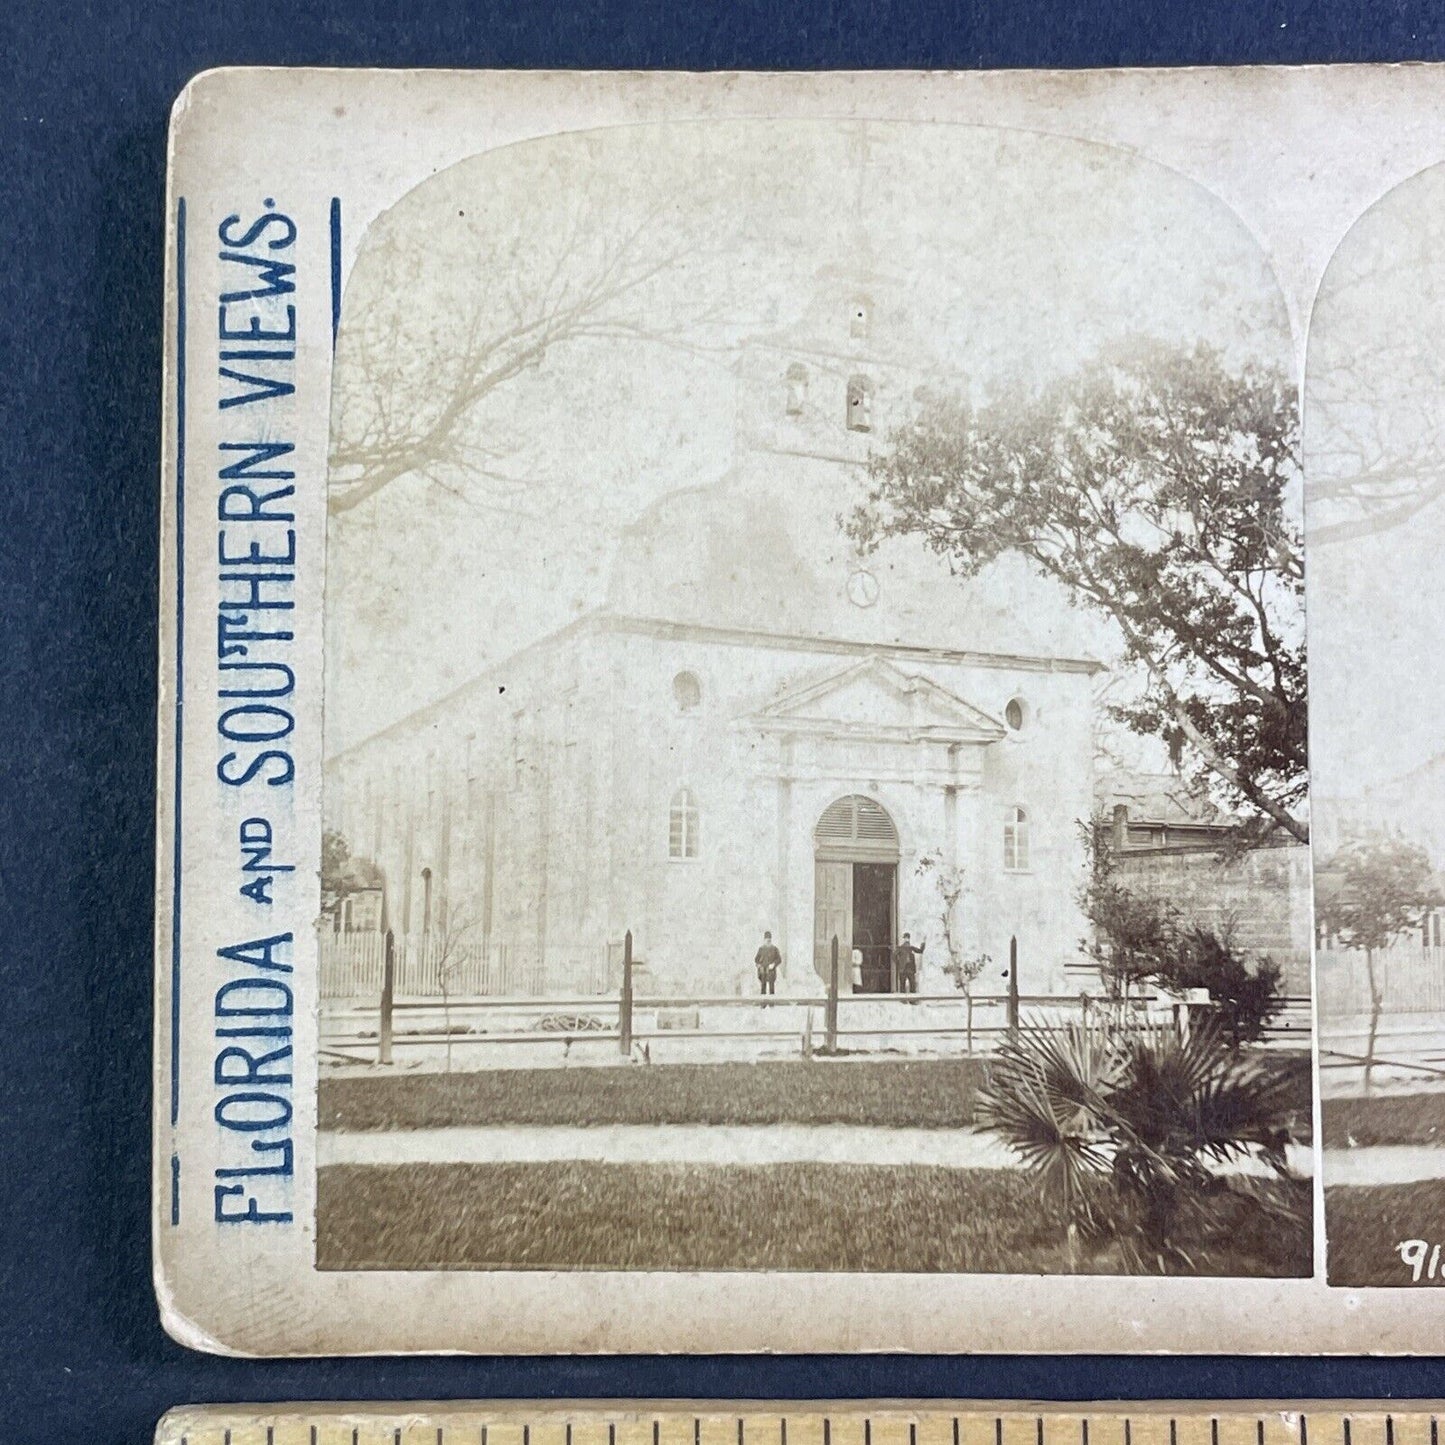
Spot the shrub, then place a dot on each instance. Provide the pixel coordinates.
(1244, 999)
(1133, 1132)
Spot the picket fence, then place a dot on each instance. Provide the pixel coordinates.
(1411, 979)
(352, 965)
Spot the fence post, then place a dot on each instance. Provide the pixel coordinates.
(388, 991)
(624, 1009)
(830, 1025)
(1013, 986)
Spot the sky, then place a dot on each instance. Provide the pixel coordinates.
(1017, 255)
(1375, 410)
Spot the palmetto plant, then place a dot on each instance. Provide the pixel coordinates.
(1138, 1133)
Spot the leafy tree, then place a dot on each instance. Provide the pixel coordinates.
(1128, 1131)
(1370, 893)
(1155, 486)
(342, 873)
(1245, 999)
(1137, 938)
(1134, 936)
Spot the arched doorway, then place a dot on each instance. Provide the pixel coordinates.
(855, 891)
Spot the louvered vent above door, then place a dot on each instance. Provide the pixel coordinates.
(856, 828)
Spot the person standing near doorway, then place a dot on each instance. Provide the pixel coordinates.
(768, 961)
(905, 959)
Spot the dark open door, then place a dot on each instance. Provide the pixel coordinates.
(874, 885)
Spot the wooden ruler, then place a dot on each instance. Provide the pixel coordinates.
(810, 1423)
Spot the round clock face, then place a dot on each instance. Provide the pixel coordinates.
(862, 589)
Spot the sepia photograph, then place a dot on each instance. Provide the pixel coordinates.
(815, 716)
(1375, 490)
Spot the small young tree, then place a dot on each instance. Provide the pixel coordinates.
(449, 935)
(962, 967)
(1369, 894)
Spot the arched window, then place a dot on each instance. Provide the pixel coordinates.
(797, 388)
(860, 316)
(1016, 714)
(682, 825)
(686, 691)
(1016, 840)
(860, 403)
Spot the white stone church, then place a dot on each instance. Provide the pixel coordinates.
(761, 729)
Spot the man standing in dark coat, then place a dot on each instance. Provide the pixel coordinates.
(905, 959)
(768, 961)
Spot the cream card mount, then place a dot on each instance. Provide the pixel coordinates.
(733, 705)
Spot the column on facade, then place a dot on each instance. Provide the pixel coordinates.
(782, 888)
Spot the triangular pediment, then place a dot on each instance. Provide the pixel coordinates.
(877, 699)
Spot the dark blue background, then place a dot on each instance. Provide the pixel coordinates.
(85, 100)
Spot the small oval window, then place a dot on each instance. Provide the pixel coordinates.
(686, 691)
(1013, 714)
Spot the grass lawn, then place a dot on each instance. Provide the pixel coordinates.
(926, 1093)
(1384, 1119)
(1363, 1226)
(782, 1217)
(922, 1093)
